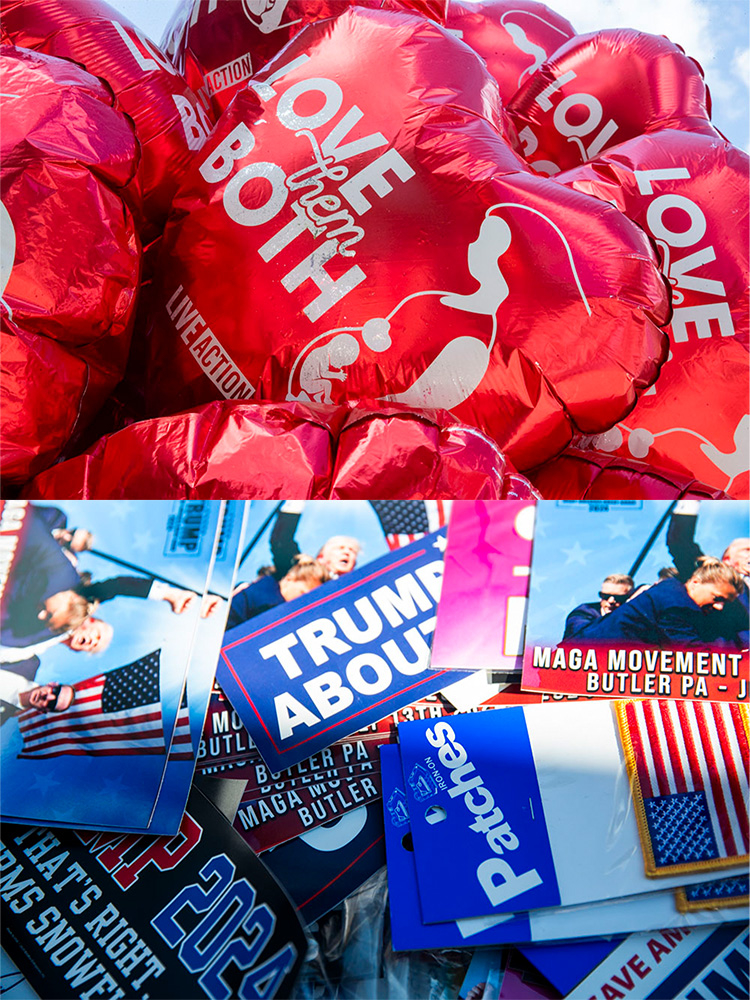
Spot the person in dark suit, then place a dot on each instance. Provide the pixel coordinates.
(267, 592)
(615, 590)
(93, 635)
(26, 668)
(675, 614)
(45, 599)
(737, 555)
(735, 618)
(71, 540)
(685, 553)
(40, 570)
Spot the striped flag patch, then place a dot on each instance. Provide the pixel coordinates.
(717, 895)
(688, 768)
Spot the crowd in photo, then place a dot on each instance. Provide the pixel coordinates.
(292, 573)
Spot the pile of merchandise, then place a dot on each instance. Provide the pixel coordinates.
(471, 288)
(386, 788)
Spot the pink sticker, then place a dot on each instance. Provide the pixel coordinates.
(482, 612)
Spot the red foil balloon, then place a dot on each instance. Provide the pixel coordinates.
(514, 37)
(598, 90)
(219, 46)
(270, 450)
(70, 256)
(170, 122)
(582, 474)
(221, 450)
(339, 242)
(392, 454)
(689, 193)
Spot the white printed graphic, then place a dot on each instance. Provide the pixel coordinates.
(194, 121)
(7, 253)
(524, 43)
(732, 463)
(461, 364)
(266, 15)
(334, 836)
(685, 228)
(327, 362)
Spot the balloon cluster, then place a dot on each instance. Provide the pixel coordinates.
(521, 249)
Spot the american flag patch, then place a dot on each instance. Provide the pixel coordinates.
(114, 713)
(688, 768)
(405, 521)
(724, 892)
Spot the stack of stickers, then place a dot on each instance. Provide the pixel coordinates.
(314, 687)
(105, 915)
(141, 593)
(640, 599)
(112, 620)
(703, 962)
(582, 817)
(530, 811)
(411, 682)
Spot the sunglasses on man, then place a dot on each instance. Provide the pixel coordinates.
(618, 598)
(55, 690)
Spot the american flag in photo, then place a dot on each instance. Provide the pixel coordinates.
(181, 747)
(405, 521)
(114, 713)
(688, 764)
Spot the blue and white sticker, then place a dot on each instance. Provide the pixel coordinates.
(306, 674)
(487, 823)
(408, 930)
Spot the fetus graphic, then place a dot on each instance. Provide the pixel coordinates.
(733, 463)
(463, 362)
(325, 363)
(458, 367)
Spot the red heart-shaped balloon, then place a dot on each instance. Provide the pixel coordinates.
(399, 454)
(70, 257)
(340, 242)
(272, 450)
(170, 122)
(689, 193)
(219, 47)
(514, 37)
(601, 89)
(587, 474)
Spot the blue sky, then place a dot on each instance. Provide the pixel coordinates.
(715, 32)
(320, 519)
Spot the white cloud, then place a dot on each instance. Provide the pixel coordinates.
(685, 22)
(741, 70)
(741, 66)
